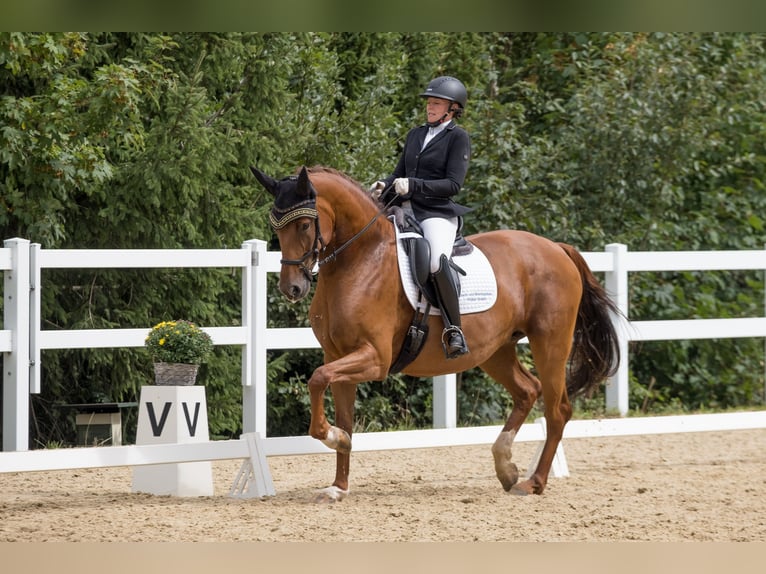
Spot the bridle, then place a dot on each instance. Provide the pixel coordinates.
(279, 218)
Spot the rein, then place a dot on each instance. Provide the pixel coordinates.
(332, 256)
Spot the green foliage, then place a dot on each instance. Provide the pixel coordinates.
(481, 400)
(411, 408)
(288, 397)
(142, 140)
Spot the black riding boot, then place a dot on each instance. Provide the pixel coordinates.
(444, 283)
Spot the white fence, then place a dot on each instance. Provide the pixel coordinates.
(22, 340)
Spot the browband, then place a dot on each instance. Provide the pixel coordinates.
(281, 217)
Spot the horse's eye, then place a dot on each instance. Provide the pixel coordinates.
(305, 226)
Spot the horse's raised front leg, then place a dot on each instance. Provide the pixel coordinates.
(361, 365)
(343, 374)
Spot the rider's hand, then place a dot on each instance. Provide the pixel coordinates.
(402, 186)
(376, 189)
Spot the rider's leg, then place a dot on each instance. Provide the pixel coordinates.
(441, 236)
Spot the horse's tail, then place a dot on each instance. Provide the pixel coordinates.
(595, 351)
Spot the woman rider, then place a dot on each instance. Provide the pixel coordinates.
(430, 172)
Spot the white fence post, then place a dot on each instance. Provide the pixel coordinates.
(617, 288)
(35, 383)
(445, 401)
(254, 389)
(16, 362)
(247, 322)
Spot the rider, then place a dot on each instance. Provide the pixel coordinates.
(431, 170)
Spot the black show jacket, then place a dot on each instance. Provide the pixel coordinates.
(436, 174)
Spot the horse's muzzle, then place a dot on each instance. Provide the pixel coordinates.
(295, 288)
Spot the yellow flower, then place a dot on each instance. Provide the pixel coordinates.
(178, 342)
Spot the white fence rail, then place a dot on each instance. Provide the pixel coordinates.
(136, 455)
(22, 339)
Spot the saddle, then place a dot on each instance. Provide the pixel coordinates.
(406, 222)
(418, 252)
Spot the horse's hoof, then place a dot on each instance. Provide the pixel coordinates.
(338, 439)
(525, 488)
(330, 494)
(507, 474)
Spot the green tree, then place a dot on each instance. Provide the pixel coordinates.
(142, 140)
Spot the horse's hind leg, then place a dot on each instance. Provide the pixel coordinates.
(524, 388)
(550, 361)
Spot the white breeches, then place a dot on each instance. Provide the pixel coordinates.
(440, 234)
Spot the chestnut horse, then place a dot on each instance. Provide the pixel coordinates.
(359, 313)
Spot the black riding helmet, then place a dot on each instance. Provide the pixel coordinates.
(447, 88)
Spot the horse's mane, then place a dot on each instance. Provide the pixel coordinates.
(355, 184)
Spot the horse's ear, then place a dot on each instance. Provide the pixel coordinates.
(305, 189)
(268, 182)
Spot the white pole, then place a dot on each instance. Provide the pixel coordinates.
(617, 288)
(247, 322)
(16, 363)
(254, 391)
(445, 401)
(35, 366)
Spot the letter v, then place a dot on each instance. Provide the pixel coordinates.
(157, 428)
(191, 425)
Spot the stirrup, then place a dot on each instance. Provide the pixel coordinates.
(453, 348)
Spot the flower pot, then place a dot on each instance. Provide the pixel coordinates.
(179, 374)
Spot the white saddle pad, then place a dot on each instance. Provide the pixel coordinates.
(478, 287)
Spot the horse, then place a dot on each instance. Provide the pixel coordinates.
(327, 224)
